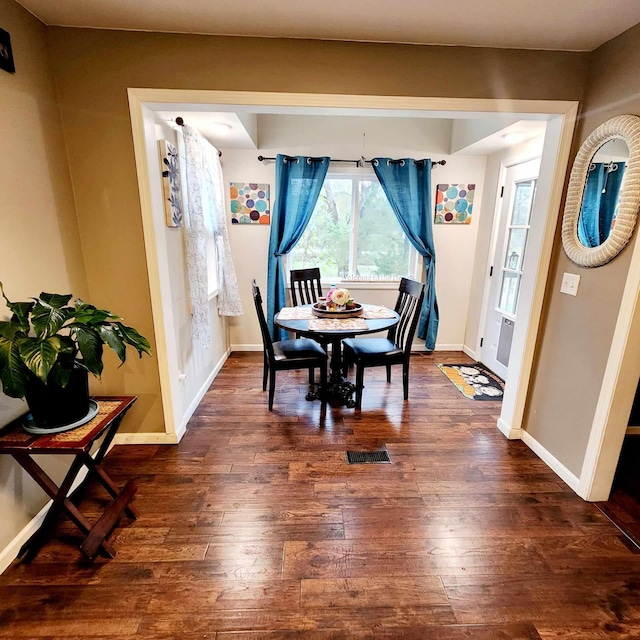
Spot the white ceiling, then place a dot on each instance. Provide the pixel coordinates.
(372, 135)
(572, 25)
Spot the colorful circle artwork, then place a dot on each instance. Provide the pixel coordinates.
(454, 203)
(249, 203)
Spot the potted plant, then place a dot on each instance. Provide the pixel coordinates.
(47, 349)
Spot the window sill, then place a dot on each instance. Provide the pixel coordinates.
(213, 294)
(363, 284)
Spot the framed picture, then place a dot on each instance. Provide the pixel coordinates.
(454, 203)
(249, 203)
(6, 53)
(171, 184)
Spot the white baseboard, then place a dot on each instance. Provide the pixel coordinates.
(246, 347)
(552, 462)
(469, 352)
(10, 552)
(448, 347)
(146, 438)
(415, 347)
(508, 431)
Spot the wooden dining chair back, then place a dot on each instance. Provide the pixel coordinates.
(305, 286)
(302, 353)
(306, 289)
(408, 305)
(395, 348)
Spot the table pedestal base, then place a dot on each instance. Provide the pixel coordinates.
(338, 389)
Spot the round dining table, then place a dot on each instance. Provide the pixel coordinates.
(339, 388)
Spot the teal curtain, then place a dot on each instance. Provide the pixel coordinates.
(298, 183)
(407, 185)
(599, 202)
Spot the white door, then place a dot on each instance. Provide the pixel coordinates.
(518, 193)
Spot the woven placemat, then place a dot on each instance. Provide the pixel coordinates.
(332, 324)
(373, 312)
(295, 313)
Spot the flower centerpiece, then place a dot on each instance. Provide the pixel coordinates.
(339, 299)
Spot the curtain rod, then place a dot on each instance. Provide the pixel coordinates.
(180, 122)
(360, 163)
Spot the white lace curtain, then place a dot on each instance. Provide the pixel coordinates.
(205, 207)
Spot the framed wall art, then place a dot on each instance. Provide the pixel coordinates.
(171, 184)
(454, 203)
(249, 203)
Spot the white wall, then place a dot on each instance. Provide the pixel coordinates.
(349, 138)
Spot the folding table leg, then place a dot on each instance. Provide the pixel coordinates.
(60, 504)
(106, 482)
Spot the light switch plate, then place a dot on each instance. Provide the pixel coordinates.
(570, 282)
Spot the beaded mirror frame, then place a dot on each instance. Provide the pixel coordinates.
(627, 128)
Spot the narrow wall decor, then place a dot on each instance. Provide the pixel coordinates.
(6, 53)
(249, 203)
(454, 203)
(171, 184)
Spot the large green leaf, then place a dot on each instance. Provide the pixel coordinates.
(9, 330)
(88, 314)
(90, 345)
(39, 355)
(110, 336)
(60, 376)
(93, 316)
(132, 337)
(47, 319)
(12, 371)
(20, 311)
(55, 299)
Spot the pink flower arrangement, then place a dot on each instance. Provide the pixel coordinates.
(339, 297)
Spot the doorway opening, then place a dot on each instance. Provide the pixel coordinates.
(512, 225)
(558, 117)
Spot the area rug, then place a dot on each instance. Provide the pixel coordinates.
(474, 381)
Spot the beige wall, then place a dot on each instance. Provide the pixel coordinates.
(39, 244)
(95, 67)
(577, 331)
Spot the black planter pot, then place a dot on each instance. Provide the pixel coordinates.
(52, 406)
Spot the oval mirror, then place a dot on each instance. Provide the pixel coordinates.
(603, 196)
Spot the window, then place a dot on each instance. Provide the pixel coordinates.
(353, 234)
(517, 234)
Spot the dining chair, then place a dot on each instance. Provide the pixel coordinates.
(302, 353)
(306, 289)
(305, 286)
(395, 348)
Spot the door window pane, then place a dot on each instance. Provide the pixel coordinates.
(514, 256)
(522, 203)
(509, 292)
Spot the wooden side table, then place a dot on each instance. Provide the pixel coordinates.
(77, 443)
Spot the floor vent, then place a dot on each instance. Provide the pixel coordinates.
(368, 457)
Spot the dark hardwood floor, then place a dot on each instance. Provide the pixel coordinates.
(255, 528)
